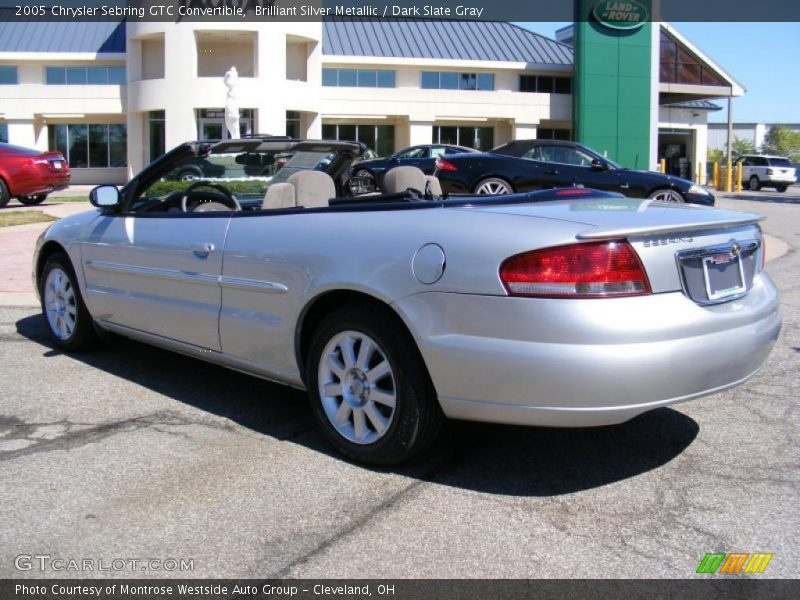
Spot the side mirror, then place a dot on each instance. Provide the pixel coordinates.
(104, 196)
(599, 165)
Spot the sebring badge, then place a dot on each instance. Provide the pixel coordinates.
(666, 241)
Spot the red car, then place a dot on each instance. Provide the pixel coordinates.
(29, 175)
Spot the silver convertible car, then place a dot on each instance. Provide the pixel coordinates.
(566, 307)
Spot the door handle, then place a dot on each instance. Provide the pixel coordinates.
(552, 171)
(625, 185)
(202, 250)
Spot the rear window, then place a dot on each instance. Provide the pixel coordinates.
(780, 162)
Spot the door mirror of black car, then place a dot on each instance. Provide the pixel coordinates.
(599, 165)
(104, 196)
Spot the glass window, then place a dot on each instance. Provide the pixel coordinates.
(116, 76)
(485, 81)
(544, 85)
(76, 75)
(384, 144)
(347, 133)
(98, 145)
(467, 81)
(348, 78)
(293, 124)
(437, 151)
(78, 146)
(413, 153)
(117, 146)
(367, 78)
(157, 134)
(3, 133)
(779, 162)
(329, 132)
(430, 80)
(97, 76)
(527, 83)
(386, 79)
(448, 81)
(55, 75)
(563, 85)
(8, 75)
(330, 77)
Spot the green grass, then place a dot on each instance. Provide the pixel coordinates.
(24, 217)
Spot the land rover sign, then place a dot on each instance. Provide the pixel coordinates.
(620, 14)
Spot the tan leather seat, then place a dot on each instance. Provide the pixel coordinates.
(433, 186)
(400, 179)
(312, 189)
(279, 195)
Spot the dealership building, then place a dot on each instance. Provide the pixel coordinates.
(114, 96)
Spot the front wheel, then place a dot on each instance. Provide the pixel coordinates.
(68, 321)
(369, 389)
(667, 196)
(755, 183)
(5, 196)
(493, 186)
(32, 200)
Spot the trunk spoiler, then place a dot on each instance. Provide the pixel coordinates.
(730, 222)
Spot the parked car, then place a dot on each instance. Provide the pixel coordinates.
(423, 157)
(30, 175)
(568, 307)
(528, 165)
(764, 170)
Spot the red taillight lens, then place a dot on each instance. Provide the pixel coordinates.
(591, 270)
(444, 165)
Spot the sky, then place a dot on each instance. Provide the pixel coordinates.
(762, 57)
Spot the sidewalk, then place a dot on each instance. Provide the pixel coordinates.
(18, 243)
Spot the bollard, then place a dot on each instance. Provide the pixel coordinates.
(717, 176)
(700, 173)
(728, 177)
(663, 165)
(739, 170)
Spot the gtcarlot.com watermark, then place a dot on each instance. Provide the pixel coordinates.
(60, 564)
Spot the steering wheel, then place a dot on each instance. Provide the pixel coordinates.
(229, 199)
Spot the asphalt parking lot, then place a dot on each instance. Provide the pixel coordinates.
(131, 452)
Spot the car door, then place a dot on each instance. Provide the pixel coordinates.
(554, 169)
(158, 274)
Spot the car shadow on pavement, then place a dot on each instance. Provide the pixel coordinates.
(497, 459)
(766, 197)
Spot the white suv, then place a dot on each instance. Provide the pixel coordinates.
(762, 170)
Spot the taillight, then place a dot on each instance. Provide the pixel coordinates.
(591, 270)
(445, 165)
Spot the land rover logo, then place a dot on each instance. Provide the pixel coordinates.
(620, 14)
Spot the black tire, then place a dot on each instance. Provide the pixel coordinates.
(755, 183)
(781, 188)
(81, 335)
(32, 200)
(5, 196)
(416, 417)
(189, 175)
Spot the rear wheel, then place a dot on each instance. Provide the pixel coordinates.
(32, 200)
(5, 197)
(493, 186)
(781, 188)
(68, 322)
(755, 183)
(667, 196)
(369, 389)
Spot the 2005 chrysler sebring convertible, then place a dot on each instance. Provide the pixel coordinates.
(567, 307)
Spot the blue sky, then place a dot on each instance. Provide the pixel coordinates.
(763, 57)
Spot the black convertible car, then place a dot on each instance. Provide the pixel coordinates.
(527, 165)
(423, 157)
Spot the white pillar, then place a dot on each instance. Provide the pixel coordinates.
(21, 132)
(271, 65)
(137, 141)
(180, 69)
(523, 131)
(420, 132)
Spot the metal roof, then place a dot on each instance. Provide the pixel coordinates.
(71, 36)
(696, 104)
(457, 40)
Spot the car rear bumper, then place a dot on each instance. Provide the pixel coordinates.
(575, 363)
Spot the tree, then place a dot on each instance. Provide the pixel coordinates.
(716, 155)
(783, 142)
(740, 147)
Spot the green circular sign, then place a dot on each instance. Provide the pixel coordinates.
(620, 14)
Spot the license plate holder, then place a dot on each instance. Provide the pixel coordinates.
(724, 275)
